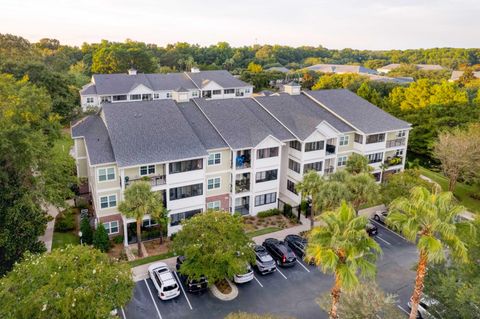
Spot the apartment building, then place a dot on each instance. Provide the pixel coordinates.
(238, 155)
(117, 88)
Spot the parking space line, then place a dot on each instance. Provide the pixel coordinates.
(301, 264)
(389, 229)
(281, 273)
(403, 309)
(386, 242)
(181, 286)
(123, 313)
(258, 281)
(153, 300)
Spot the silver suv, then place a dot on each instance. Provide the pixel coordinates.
(380, 215)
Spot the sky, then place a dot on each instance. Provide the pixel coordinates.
(334, 24)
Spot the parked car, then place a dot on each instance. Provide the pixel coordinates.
(193, 286)
(280, 251)
(245, 277)
(380, 215)
(371, 229)
(425, 310)
(164, 281)
(298, 244)
(263, 260)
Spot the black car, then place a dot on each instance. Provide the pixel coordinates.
(280, 251)
(297, 243)
(264, 261)
(371, 229)
(192, 286)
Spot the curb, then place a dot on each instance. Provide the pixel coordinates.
(232, 295)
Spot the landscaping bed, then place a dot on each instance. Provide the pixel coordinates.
(224, 287)
(154, 247)
(267, 222)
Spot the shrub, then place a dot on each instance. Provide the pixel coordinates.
(268, 213)
(87, 231)
(81, 203)
(303, 206)
(287, 210)
(118, 239)
(65, 221)
(100, 239)
(475, 196)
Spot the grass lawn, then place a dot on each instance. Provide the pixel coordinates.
(462, 191)
(263, 231)
(149, 259)
(61, 240)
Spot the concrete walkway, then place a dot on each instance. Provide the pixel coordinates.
(47, 238)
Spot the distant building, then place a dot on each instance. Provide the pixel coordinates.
(388, 79)
(423, 67)
(457, 74)
(278, 69)
(341, 69)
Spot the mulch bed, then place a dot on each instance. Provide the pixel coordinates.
(252, 223)
(224, 286)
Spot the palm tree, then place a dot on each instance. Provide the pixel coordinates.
(310, 186)
(160, 215)
(363, 189)
(139, 201)
(430, 218)
(342, 246)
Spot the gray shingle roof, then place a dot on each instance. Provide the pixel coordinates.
(97, 140)
(233, 119)
(201, 126)
(89, 88)
(221, 77)
(457, 74)
(150, 132)
(279, 69)
(425, 67)
(358, 112)
(300, 114)
(340, 68)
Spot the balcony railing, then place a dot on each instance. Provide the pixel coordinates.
(328, 170)
(396, 142)
(242, 185)
(154, 180)
(393, 161)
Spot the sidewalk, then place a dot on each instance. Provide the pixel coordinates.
(48, 236)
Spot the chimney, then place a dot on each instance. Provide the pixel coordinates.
(194, 70)
(292, 88)
(132, 71)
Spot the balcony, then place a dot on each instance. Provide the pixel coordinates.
(396, 142)
(328, 170)
(243, 159)
(154, 180)
(242, 183)
(330, 149)
(393, 161)
(243, 209)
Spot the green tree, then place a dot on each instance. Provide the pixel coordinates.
(400, 184)
(369, 94)
(74, 282)
(87, 231)
(429, 220)
(342, 246)
(34, 169)
(160, 215)
(254, 68)
(357, 163)
(140, 201)
(310, 187)
(214, 245)
(100, 238)
(363, 189)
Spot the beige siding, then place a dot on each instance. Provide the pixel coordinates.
(106, 211)
(80, 150)
(82, 167)
(349, 146)
(225, 162)
(224, 184)
(106, 184)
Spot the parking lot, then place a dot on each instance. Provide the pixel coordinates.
(289, 291)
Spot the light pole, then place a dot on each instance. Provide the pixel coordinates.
(80, 235)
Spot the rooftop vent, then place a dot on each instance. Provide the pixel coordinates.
(132, 71)
(194, 70)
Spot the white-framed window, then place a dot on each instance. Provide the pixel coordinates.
(108, 201)
(89, 100)
(214, 205)
(156, 96)
(342, 160)
(344, 140)
(112, 227)
(228, 91)
(135, 97)
(213, 183)
(399, 152)
(217, 92)
(247, 90)
(265, 199)
(214, 159)
(106, 174)
(194, 93)
(147, 170)
(401, 133)
(169, 95)
(149, 223)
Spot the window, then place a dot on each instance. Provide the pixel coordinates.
(344, 140)
(149, 223)
(229, 91)
(117, 98)
(375, 138)
(108, 201)
(296, 145)
(342, 161)
(147, 170)
(104, 99)
(156, 95)
(266, 176)
(375, 158)
(194, 93)
(186, 191)
(214, 205)
(135, 97)
(175, 219)
(216, 92)
(358, 138)
(401, 133)
(247, 90)
(317, 166)
(314, 146)
(399, 153)
(111, 227)
(89, 100)
(106, 174)
(214, 159)
(169, 95)
(213, 183)
(146, 97)
(267, 152)
(291, 186)
(185, 166)
(265, 199)
(294, 166)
